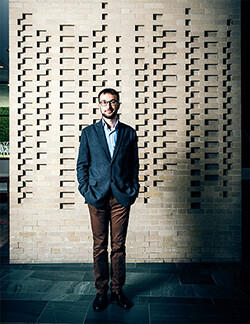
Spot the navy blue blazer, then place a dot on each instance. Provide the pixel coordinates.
(97, 173)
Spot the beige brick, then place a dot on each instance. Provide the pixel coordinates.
(171, 67)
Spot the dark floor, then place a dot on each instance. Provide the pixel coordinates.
(161, 293)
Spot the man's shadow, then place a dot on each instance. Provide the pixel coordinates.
(143, 283)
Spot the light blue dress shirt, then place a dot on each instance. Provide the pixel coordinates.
(111, 136)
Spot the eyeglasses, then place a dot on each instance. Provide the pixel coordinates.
(105, 103)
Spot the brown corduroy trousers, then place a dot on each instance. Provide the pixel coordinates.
(116, 216)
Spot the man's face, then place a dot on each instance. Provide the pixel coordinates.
(108, 108)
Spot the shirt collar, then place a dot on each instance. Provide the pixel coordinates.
(105, 125)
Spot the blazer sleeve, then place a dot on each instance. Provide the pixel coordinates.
(83, 163)
(136, 164)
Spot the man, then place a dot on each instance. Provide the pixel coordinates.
(107, 172)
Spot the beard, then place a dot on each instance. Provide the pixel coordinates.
(110, 116)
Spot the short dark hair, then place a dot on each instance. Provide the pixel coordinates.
(108, 90)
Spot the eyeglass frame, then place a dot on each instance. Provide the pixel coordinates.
(108, 102)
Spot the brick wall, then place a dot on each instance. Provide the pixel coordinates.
(177, 66)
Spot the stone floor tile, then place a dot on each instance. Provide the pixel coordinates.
(64, 312)
(21, 310)
(200, 279)
(113, 314)
(162, 313)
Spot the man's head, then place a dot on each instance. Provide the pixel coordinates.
(109, 103)
(110, 91)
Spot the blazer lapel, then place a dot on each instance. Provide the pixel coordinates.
(119, 139)
(101, 137)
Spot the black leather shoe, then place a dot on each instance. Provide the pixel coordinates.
(100, 302)
(121, 300)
